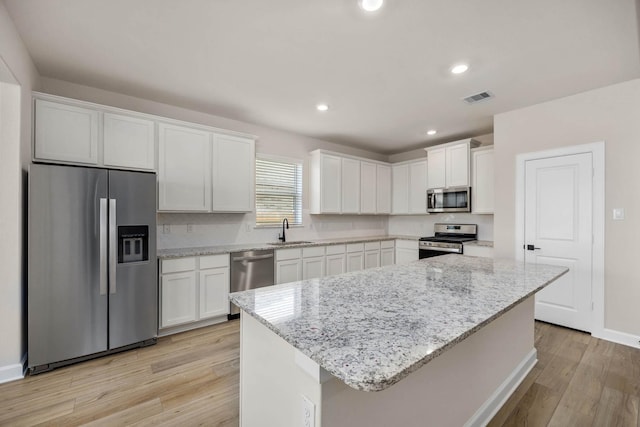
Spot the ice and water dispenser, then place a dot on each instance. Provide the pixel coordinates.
(133, 243)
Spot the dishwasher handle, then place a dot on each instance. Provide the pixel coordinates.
(251, 258)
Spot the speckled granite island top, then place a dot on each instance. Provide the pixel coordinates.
(374, 327)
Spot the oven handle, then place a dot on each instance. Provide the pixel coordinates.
(450, 250)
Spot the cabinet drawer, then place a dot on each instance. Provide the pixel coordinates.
(355, 247)
(335, 249)
(178, 264)
(371, 246)
(387, 244)
(313, 251)
(283, 254)
(214, 261)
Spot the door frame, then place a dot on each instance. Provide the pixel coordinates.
(597, 150)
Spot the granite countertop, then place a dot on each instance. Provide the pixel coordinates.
(372, 328)
(484, 243)
(225, 249)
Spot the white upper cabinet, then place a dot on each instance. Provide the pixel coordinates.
(383, 189)
(448, 164)
(368, 188)
(418, 187)
(65, 133)
(341, 184)
(233, 173)
(128, 141)
(350, 186)
(409, 188)
(400, 191)
(482, 195)
(199, 171)
(184, 169)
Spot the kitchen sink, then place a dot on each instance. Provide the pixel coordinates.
(293, 242)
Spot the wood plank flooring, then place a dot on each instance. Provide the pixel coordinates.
(192, 379)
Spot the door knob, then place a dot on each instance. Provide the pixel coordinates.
(532, 248)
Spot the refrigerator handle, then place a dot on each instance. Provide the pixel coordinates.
(113, 246)
(103, 246)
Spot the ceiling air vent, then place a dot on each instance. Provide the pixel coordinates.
(478, 97)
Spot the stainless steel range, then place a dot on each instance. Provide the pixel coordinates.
(448, 238)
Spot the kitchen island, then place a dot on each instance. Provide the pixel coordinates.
(441, 341)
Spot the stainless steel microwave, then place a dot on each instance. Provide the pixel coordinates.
(454, 199)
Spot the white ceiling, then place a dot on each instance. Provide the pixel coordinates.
(385, 75)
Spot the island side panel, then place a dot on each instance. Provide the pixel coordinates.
(271, 383)
(464, 386)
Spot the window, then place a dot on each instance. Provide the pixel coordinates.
(278, 191)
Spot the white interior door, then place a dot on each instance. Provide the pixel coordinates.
(559, 231)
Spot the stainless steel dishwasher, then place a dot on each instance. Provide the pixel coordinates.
(250, 270)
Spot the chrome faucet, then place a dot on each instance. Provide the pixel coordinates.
(283, 238)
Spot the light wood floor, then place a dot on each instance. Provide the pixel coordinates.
(192, 379)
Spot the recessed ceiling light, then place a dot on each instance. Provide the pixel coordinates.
(432, 132)
(459, 68)
(370, 5)
(322, 107)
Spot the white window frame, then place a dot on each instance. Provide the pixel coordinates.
(272, 158)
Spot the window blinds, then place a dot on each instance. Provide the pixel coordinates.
(278, 192)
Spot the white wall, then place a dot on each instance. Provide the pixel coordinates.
(17, 69)
(609, 114)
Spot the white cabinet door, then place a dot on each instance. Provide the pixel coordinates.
(418, 187)
(383, 189)
(350, 186)
(436, 170)
(331, 183)
(312, 268)
(457, 165)
(482, 182)
(372, 259)
(368, 188)
(406, 251)
(387, 256)
(214, 292)
(128, 142)
(288, 271)
(400, 192)
(335, 264)
(184, 169)
(66, 133)
(233, 174)
(178, 298)
(355, 261)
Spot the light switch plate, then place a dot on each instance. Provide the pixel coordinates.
(618, 214)
(189, 228)
(166, 229)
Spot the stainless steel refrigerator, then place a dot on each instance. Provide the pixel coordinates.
(92, 269)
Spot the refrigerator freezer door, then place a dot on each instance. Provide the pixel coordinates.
(133, 296)
(67, 315)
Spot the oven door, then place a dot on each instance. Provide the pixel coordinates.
(456, 199)
(432, 251)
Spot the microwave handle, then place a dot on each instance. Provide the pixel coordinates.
(429, 201)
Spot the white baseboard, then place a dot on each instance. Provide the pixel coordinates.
(618, 337)
(498, 398)
(13, 372)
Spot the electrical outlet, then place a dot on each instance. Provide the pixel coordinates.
(189, 228)
(308, 412)
(166, 229)
(248, 227)
(618, 214)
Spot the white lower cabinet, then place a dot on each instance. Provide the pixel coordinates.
(288, 265)
(178, 295)
(355, 257)
(193, 289)
(371, 255)
(387, 252)
(406, 251)
(335, 260)
(313, 261)
(214, 292)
